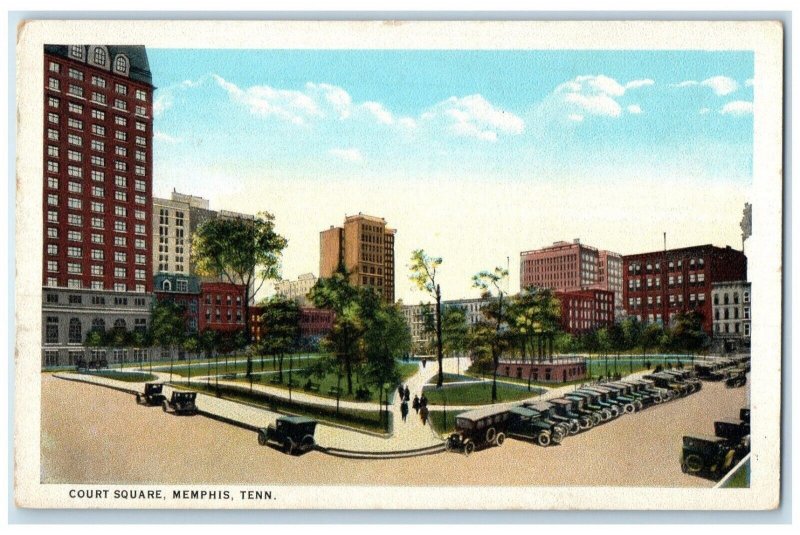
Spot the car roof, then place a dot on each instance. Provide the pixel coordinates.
(523, 411)
(728, 421)
(297, 419)
(539, 405)
(706, 438)
(484, 412)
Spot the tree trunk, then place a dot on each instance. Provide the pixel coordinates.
(439, 356)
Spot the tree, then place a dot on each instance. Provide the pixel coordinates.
(651, 336)
(168, 327)
(536, 316)
(489, 281)
(244, 252)
(190, 345)
(454, 331)
(687, 332)
(423, 274)
(280, 326)
(337, 294)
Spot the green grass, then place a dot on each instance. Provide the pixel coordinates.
(451, 378)
(364, 420)
(741, 479)
(198, 368)
(328, 382)
(437, 421)
(478, 394)
(128, 377)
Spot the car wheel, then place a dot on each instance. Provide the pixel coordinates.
(586, 423)
(543, 439)
(138, 399)
(629, 408)
(694, 463)
(574, 427)
(308, 442)
(638, 405)
(557, 437)
(726, 464)
(500, 438)
(262, 437)
(469, 447)
(596, 419)
(165, 406)
(448, 446)
(491, 433)
(614, 412)
(288, 446)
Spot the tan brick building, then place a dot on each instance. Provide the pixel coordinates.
(365, 247)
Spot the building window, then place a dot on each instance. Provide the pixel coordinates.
(121, 136)
(120, 272)
(75, 333)
(74, 171)
(746, 297)
(98, 130)
(74, 139)
(75, 219)
(121, 65)
(120, 226)
(98, 223)
(97, 271)
(74, 204)
(98, 191)
(120, 121)
(54, 67)
(76, 51)
(97, 254)
(98, 82)
(74, 252)
(75, 91)
(97, 238)
(51, 330)
(54, 84)
(100, 56)
(52, 266)
(120, 287)
(100, 115)
(121, 181)
(52, 134)
(73, 268)
(120, 241)
(120, 257)
(52, 232)
(99, 98)
(52, 216)
(74, 156)
(75, 108)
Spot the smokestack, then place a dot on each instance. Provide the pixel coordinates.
(665, 242)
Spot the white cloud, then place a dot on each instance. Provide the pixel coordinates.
(636, 84)
(162, 103)
(381, 114)
(336, 97)
(289, 105)
(166, 138)
(348, 155)
(737, 108)
(704, 111)
(593, 95)
(720, 85)
(474, 116)
(748, 82)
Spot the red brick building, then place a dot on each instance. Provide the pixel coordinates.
(586, 310)
(559, 370)
(221, 307)
(315, 322)
(661, 284)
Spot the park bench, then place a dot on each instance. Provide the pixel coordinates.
(334, 391)
(311, 387)
(275, 379)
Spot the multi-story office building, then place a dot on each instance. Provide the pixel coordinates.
(297, 290)
(98, 132)
(609, 271)
(586, 310)
(661, 284)
(365, 247)
(183, 290)
(414, 316)
(731, 308)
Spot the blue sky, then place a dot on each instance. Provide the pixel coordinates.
(447, 143)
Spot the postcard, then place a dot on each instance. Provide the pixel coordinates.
(398, 265)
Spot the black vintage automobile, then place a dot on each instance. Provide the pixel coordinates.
(710, 371)
(659, 395)
(735, 378)
(152, 395)
(707, 456)
(181, 403)
(632, 395)
(292, 434)
(479, 428)
(695, 384)
(533, 422)
(744, 415)
(736, 432)
(663, 380)
(563, 412)
(607, 398)
(590, 402)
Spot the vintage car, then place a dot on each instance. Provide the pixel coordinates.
(707, 456)
(479, 428)
(152, 395)
(292, 434)
(581, 406)
(660, 395)
(744, 415)
(605, 398)
(688, 377)
(181, 403)
(735, 378)
(632, 393)
(96, 364)
(709, 371)
(623, 394)
(662, 380)
(563, 412)
(736, 432)
(533, 421)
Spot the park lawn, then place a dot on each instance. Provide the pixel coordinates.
(437, 421)
(451, 378)
(741, 479)
(478, 394)
(128, 377)
(328, 382)
(357, 419)
(234, 366)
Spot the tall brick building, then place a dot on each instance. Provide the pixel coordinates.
(571, 266)
(365, 247)
(659, 285)
(586, 310)
(98, 131)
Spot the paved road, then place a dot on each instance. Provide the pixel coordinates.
(111, 440)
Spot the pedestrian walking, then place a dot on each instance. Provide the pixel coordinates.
(423, 414)
(400, 391)
(415, 404)
(423, 401)
(424, 361)
(404, 410)
(407, 395)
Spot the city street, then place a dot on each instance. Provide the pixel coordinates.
(117, 441)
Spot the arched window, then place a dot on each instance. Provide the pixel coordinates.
(75, 334)
(100, 56)
(99, 325)
(166, 286)
(120, 325)
(121, 64)
(76, 51)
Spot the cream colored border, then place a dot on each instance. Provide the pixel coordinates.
(765, 39)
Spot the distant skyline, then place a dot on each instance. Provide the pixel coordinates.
(473, 156)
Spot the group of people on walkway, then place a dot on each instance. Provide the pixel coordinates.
(420, 404)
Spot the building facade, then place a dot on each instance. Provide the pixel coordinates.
(97, 212)
(297, 290)
(661, 284)
(364, 245)
(315, 322)
(731, 303)
(413, 314)
(586, 310)
(221, 307)
(183, 290)
(560, 370)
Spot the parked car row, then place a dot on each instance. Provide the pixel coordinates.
(713, 456)
(550, 422)
(181, 402)
(723, 368)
